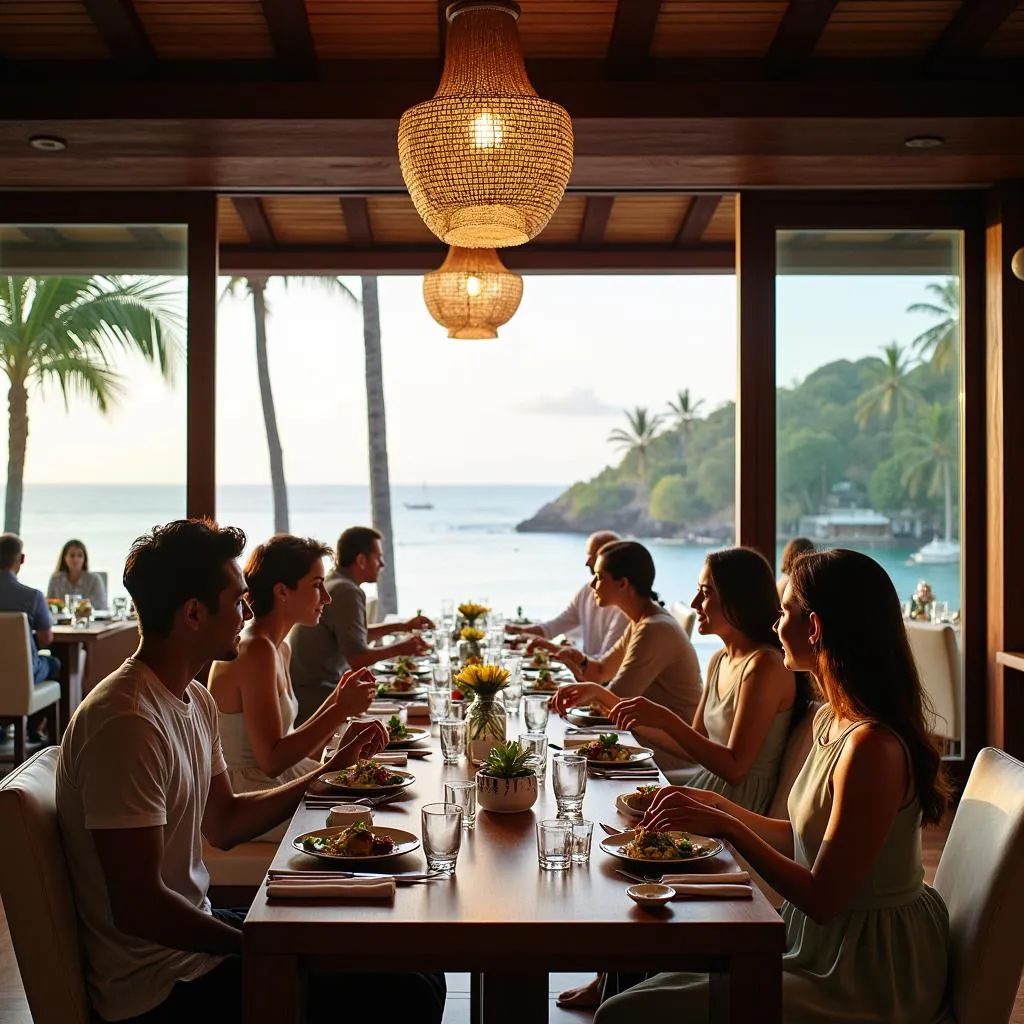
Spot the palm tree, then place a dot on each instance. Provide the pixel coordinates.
(256, 286)
(891, 394)
(929, 453)
(684, 412)
(380, 484)
(64, 330)
(942, 340)
(643, 429)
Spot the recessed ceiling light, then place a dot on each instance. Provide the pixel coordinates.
(924, 142)
(47, 143)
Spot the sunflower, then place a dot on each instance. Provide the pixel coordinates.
(482, 680)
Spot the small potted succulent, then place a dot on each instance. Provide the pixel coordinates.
(507, 782)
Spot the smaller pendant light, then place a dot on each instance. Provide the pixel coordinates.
(472, 293)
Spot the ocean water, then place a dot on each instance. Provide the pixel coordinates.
(464, 548)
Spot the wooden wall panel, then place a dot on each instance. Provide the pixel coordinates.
(651, 219)
(1009, 39)
(60, 29)
(183, 29)
(564, 226)
(306, 220)
(884, 28)
(723, 224)
(716, 28)
(374, 28)
(394, 221)
(566, 28)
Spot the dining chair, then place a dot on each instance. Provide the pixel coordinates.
(981, 878)
(37, 896)
(20, 697)
(937, 656)
(684, 615)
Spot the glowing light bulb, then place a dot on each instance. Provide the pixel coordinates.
(473, 286)
(486, 131)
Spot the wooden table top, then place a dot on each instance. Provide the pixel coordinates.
(95, 629)
(500, 901)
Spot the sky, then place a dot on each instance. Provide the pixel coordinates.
(534, 406)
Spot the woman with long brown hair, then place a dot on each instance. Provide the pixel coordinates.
(867, 940)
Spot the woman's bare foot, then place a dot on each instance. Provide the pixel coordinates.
(586, 997)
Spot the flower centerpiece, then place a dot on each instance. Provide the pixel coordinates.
(469, 645)
(82, 614)
(470, 612)
(485, 716)
(507, 781)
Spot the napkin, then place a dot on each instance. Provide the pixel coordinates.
(336, 888)
(418, 712)
(724, 892)
(705, 879)
(383, 707)
(397, 758)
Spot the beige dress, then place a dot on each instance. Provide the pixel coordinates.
(755, 792)
(882, 961)
(244, 770)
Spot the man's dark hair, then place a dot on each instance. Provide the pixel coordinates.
(283, 559)
(11, 548)
(175, 563)
(355, 541)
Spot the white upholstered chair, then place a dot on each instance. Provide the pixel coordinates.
(684, 615)
(938, 663)
(37, 895)
(19, 695)
(981, 878)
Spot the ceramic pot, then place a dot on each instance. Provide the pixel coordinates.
(506, 796)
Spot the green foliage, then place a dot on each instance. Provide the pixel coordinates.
(886, 489)
(675, 500)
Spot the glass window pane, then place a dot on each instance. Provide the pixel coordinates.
(869, 398)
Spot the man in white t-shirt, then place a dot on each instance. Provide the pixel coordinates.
(598, 628)
(141, 778)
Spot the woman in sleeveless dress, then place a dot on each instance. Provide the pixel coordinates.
(866, 939)
(255, 701)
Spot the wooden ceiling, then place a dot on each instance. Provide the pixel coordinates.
(270, 96)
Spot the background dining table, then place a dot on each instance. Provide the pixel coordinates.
(89, 655)
(504, 919)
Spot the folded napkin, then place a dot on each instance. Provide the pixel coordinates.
(705, 879)
(383, 707)
(418, 712)
(335, 888)
(714, 891)
(397, 758)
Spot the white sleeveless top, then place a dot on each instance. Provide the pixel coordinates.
(234, 736)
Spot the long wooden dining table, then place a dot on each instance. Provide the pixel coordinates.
(504, 919)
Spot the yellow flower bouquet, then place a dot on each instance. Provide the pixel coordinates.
(470, 612)
(471, 633)
(485, 716)
(482, 680)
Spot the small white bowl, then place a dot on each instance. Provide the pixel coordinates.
(650, 894)
(349, 814)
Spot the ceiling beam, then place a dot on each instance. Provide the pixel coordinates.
(118, 22)
(596, 212)
(147, 236)
(254, 219)
(357, 220)
(973, 25)
(288, 25)
(629, 48)
(796, 37)
(696, 220)
(49, 237)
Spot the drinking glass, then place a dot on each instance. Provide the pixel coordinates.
(457, 709)
(442, 678)
(438, 704)
(464, 795)
(453, 739)
(442, 836)
(447, 609)
(512, 695)
(554, 844)
(536, 708)
(582, 835)
(569, 781)
(537, 744)
(120, 608)
(940, 611)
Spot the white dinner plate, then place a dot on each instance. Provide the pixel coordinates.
(389, 666)
(416, 735)
(637, 755)
(336, 781)
(624, 808)
(703, 847)
(584, 716)
(384, 690)
(405, 842)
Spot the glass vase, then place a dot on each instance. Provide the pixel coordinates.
(485, 727)
(469, 649)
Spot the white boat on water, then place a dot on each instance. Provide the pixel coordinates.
(937, 552)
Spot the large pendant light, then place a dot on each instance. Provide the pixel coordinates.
(472, 293)
(486, 160)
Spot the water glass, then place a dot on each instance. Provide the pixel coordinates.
(120, 608)
(537, 744)
(447, 609)
(442, 678)
(554, 844)
(569, 782)
(536, 708)
(512, 695)
(442, 836)
(940, 611)
(582, 835)
(464, 795)
(453, 739)
(438, 704)
(457, 709)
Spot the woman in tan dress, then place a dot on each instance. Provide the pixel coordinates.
(866, 939)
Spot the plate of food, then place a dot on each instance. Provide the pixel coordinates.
(587, 714)
(356, 842)
(638, 802)
(405, 666)
(393, 686)
(606, 749)
(370, 778)
(646, 846)
(400, 735)
(544, 681)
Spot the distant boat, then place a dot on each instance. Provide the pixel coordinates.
(937, 552)
(421, 505)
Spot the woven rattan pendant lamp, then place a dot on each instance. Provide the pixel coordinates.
(472, 293)
(486, 160)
